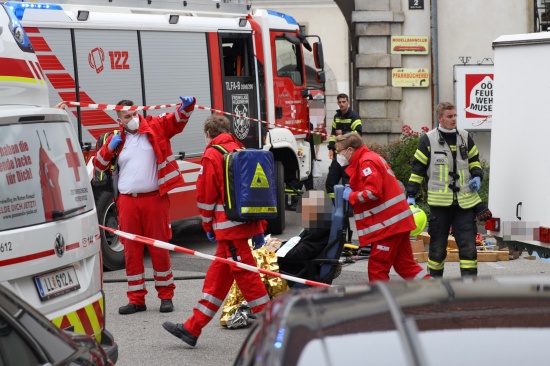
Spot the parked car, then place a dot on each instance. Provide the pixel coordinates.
(501, 321)
(28, 338)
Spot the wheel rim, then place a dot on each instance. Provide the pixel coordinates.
(110, 219)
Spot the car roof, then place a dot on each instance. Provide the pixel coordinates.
(410, 322)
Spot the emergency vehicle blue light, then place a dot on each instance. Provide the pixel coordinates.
(289, 19)
(19, 8)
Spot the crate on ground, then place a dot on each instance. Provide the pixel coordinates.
(421, 257)
(417, 246)
(424, 236)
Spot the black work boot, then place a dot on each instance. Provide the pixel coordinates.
(131, 309)
(166, 306)
(179, 331)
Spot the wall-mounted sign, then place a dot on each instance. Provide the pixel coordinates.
(411, 45)
(416, 4)
(410, 78)
(474, 96)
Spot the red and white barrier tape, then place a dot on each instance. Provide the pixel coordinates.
(113, 107)
(174, 248)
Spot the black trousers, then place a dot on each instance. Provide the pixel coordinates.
(335, 174)
(463, 223)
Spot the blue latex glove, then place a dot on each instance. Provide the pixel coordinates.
(211, 236)
(475, 184)
(258, 241)
(115, 140)
(186, 101)
(411, 201)
(347, 191)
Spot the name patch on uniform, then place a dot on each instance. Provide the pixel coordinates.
(367, 171)
(383, 248)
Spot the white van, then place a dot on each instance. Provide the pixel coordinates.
(49, 235)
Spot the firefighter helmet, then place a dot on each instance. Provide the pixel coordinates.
(420, 220)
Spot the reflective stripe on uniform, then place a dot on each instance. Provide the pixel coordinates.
(212, 299)
(162, 274)
(164, 283)
(420, 275)
(206, 206)
(392, 220)
(136, 277)
(379, 208)
(262, 300)
(141, 286)
(227, 225)
(165, 162)
(203, 309)
(438, 266)
(167, 177)
(468, 264)
(206, 219)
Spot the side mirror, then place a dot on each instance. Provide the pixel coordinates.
(292, 39)
(320, 77)
(318, 55)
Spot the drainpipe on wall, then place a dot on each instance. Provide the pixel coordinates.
(435, 60)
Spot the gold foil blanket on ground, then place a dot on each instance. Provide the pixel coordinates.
(265, 259)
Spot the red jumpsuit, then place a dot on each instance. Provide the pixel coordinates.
(382, 216)
(220, 276)
(148, 213)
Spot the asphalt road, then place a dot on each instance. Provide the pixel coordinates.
(143, 341)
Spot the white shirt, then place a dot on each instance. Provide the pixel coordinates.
(138, 165)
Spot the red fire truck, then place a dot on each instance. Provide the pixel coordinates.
(249, 62)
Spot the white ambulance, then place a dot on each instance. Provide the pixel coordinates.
(252, 63)
(49, 234)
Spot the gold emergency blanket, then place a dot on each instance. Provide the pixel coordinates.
(265, 259)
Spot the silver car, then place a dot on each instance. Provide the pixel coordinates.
(473, 321)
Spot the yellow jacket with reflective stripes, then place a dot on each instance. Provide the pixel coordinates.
(447, 171)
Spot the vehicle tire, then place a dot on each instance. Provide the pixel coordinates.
(112, 250)
(277, 225)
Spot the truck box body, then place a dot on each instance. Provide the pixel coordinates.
(519, 190)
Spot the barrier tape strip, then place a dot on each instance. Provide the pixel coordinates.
(174, 248)
(113, 107)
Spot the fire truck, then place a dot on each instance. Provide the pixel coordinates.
(251, 63)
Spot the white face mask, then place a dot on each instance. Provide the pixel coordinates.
(133, 124)
(342, 160)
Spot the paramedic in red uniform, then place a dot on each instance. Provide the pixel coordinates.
(231, 236)
(382, 216)
(147, 170)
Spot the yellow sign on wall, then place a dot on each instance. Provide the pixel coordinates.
(410, 45)
(410, 78)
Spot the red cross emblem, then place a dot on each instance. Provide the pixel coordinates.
(72, 160)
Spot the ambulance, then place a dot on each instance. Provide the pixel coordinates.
(49, 236)
(257, 65)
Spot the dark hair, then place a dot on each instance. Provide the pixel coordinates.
(126, 103)
(342, 95)
(215, 125)
(444, 106)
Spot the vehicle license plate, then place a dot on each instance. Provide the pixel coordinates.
(57, 283)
